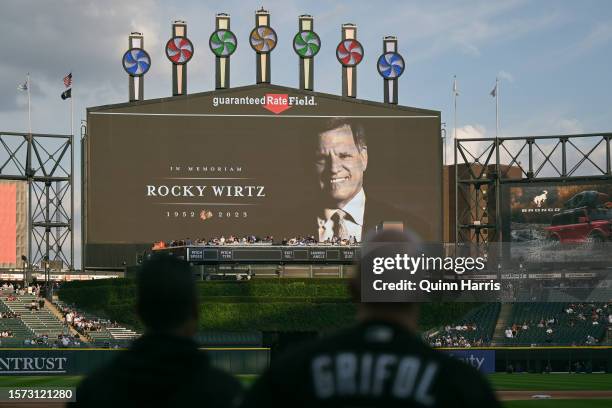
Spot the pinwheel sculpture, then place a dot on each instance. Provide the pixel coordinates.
(223, 43)
(136, 62)
(179, 50)
(306, 44)
(390, 65)
(349, 53)
(263, 39)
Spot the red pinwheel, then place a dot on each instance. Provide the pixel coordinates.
(349, 53)
(179, 50)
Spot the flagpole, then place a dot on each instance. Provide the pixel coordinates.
(496, 107)
(455, 112)
(71, 180)
(72, 114)
(29, 105)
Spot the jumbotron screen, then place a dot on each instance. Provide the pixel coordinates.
(559, 222)
(259, 161)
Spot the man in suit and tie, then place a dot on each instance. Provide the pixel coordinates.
(340, 163)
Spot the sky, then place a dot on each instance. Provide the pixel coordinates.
(552, 58)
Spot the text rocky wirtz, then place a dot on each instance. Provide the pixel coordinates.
(204, 191)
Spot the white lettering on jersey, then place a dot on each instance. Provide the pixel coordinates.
(322, 376)
(346, 367)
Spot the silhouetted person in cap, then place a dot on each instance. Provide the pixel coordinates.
(379, 362)
(163, 367)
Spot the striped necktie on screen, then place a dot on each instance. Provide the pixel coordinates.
(340, 229)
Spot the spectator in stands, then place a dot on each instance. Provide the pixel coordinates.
(379, 362)
(163, 367)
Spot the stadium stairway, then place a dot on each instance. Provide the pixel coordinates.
(502, 323)
(55, 311)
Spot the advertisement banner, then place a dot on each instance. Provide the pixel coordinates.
(482, 360)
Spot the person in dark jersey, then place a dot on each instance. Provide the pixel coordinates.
(379, 362)
(164, 367)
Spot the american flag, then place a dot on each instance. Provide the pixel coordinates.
(68, 80)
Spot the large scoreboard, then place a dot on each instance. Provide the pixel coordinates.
(231, 162)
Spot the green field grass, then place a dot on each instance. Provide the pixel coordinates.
(34, 381)
(500, 381)
(560, 403)
(551, 382)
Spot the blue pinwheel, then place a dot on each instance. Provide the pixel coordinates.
(390, 65)
(136, 62)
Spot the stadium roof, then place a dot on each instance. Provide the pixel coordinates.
(250, 90)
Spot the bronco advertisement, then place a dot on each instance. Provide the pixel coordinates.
(547, 221)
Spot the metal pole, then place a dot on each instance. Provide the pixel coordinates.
(455, 94)
(563, 157)
(608, 159)
(496, 107)
(71, 182)
(456, 144)
(497, 192)
(29, 106)
(47, 232)
(83, 191)
(29, 175)
(530, 158)
(72, 201)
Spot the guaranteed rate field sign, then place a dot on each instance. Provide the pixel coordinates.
(258, 160)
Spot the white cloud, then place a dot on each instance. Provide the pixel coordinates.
(505, 75)
(568, 126)
(475, 131)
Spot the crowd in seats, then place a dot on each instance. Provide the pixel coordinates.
(80, 322)
(18, 290)
(9, 315)
(475, 329)
(62, 341)
(453, 336)
(564, 323)
(6, 333)
(253, 240)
